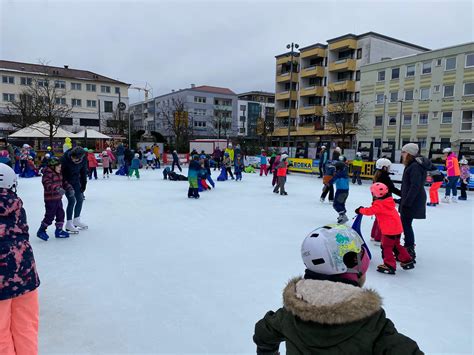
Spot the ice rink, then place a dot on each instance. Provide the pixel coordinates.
(159, 273)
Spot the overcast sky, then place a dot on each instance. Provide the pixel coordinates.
(170, 45)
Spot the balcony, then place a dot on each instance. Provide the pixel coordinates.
(285, 95)
(347, 64)
(315, 52)
(312, 91)
(343, 44)
(285, 59)
(341, 107)
(311, 110)
(281, 78)
(346, 85)
(312, 71)
(284, 113)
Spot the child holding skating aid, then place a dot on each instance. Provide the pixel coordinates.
(341, 180)
(465, 176)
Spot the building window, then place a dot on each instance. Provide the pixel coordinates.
(60, 84)
(91, 87)
(409, 95)
(358, 75)
(378, 121)
(469, 60)
(381, 75)
(201, 124)
(243, 107)
(438, 62)
(392, 121)
(105, 89)
(466, 121)
(407, 120)
(25, 81)
(424, 93)
(448, 91)
(377, 142)
(199, 112)
(426, 68)
(89, 122)
(9, 97)
(395, 73)
(450, 63)
(60, 101)
(76, 86)
(380, 98)
(357, 97)
(8, 79)
(423, 119)
(421, 142)
(436, 89)
(199, 99)
(394, 96)
(410, 70)
(447, 118)
(468, 89)
(76, 102)
(108, 106)
(117, 90)
(359, 53)
(91, 103)
(42, 83)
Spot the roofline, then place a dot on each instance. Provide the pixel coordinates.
(347, 35)
(295, 54)
(316, 45)
(258, 93)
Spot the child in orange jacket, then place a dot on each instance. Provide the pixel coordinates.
(384, 209)
(281, 170)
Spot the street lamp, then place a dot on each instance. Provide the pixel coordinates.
(292, 46)
(400, 125)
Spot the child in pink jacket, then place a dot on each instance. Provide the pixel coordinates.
(465, 176)
(106, 161)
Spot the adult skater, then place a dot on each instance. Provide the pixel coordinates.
(217, 157)
(453, 173)
(323, 158)
(230, 150)
(176, 161)
(120, 152)
(336, 154)
(74, 171)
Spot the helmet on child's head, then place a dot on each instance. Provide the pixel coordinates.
(47, 155)
(86, 150)
(335, 249)
(447, 150)
(382, 162)
(359, 154)
(26, 146)
(378, 189)
(8, 179)
(48, 148)
(284, 156)
(203, 156)
(136, 154)
(463, 161)
(54, 161)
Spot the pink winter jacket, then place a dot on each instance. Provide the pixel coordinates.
(452, 165)
(106, 161)
(465, 172)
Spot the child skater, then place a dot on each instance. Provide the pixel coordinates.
(150, 159)
(207, 166)
(280, 173)
(384, 208)
(134, 166)
(106, 162)
(93, 164)
(341, 179)
(239, 166)
(228, 165)
(465, 176)
(193, 172)
(263, 163)
(437, 178)
(18, 277)
(54, 189)
(329, 171)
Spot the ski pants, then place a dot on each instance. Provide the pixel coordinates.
(340, 198)
(263, 169)
(434, 197)
(92, 171)
(328, 189)
(408, 231)
(54, 209)
(356, 176)
(376, 233)
(464, 189)
(19, 319)
(451, 185)
(74, 203)
(137, 173)
(229, 171)
(193, 183)
(390, 242)
(281, 184)
(177, 164)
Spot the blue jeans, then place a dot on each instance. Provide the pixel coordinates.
(120, 160)
(451, 185)
(74, 204)
(408, 231)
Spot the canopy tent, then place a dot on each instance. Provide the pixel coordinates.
(40, 130)
(91, 134)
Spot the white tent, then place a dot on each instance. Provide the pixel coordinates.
(40, 130)
(91, 134)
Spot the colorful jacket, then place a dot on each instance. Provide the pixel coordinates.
(17, 264)
(106, 161)
(357, 164)
(52, 182)
(111, 155)
(227, 162)
(465, 172)
(282, 168)
(239, 165)
(263, 159)
(231, 153)
(135, 163)
(341, 180)
(387, 216)
(25, 152)
(91, 159)
(452, 165)
(194, 169)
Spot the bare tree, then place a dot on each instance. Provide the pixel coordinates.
(265, 125)
(222, 121)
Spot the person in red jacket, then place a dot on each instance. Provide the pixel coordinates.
(93, 164)
(384, 209)
(281, 170)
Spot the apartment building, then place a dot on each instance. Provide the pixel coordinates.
(326, 76)
(211, 112)
(256, 113)
(423, 98)
(92, 97)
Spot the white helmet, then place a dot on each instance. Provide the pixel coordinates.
(380, 163)
(284, 156)
(137, 155)
(338, 149)
(324, 249)
(8, 179)
(26, 146)
(447, 150)
(463, 161)
(359, 154)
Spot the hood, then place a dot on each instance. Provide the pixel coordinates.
(327, 302)
(425, 163)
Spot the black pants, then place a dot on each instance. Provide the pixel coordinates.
(177, 164)
(321, 170)
(408, 230)
(229, 171)
(464, 189)
(356, 176)
(328, 189)
(92, 171)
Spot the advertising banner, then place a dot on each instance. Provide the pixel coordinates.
(303, 165)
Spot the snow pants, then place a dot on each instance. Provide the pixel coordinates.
(328, 189)
(54, 209)
(281, 185)
(464, 189)
(389, 242)
(339, 203)
(376, 233)
(434, 197)
(451, 186)
(74, 203)
(92, 171)
(19, 318)
(263, 169)
(356, 175)
(137, 173)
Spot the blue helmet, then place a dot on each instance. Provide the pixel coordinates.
(226, 154)
(203, 156)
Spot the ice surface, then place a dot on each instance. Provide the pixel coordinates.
(159, 273)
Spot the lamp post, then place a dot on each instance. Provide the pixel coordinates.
(292, 46)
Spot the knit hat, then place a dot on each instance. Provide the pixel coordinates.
(411, 148)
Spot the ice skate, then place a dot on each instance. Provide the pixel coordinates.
(59, 233)
(321, 200)
(411, 251)
(385, 269)
(454, 199)
(77, 222)
(71, 228)
(283, 193)
(342, 218)
(41, 234)
(446, 199)
(407, 266)
(431, 204)
(462, 198)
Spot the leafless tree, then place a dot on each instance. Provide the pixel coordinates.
(177, 122)
(265, 125)
(118, 125)
(222, 121)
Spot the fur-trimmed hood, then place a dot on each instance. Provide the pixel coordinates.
(328, 302)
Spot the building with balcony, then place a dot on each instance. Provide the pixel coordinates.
(423, 98)
(93, 98)
(326, 78)
(256, 113)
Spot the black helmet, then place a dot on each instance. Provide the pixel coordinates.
(77, 152)
(53, 161)
(339, 165)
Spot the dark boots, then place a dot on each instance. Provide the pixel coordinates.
(190, 192)
(411, 251)
(196, 193)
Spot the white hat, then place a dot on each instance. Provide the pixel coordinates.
(411, 148)
(380, 163)
(463, 161)
(447, 150)
(137, 155)
(337, 149)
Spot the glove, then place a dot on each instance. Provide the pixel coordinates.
(357, 210)
(61, 191)
(70, 193)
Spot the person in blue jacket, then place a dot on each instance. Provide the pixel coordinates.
(341, 180)
(193, 171)
(238, 167)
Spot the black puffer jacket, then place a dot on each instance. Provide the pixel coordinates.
(384, 178)
(413, 201)
(74, 174)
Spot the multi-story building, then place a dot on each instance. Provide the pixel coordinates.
(211, 112)
(256, 113)
(93, 97)
(424, 98)
(326, 78)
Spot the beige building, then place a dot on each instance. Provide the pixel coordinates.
(325, 78)
(93, 97)
(424, 98)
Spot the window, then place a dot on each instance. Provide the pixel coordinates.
(91, 87)
(358, 75)
(201, 124)
(359, 53)
(466, 121)
(394, 96)
(381, 75)
(448, 91)
(108, 106)
(392, 121)
(117, 90)
(468, 88)
(410, 70)
(60, 101)
(91, 103)
(377, 142)
(380, 98)
(8, 79)
(424, 93)
(450, 63)
(357, 96)
(199, 99)
(243, 107)
(199, 112)
(421, 142)
(407, 120)
(105, 89)
(378, 120)
(436, 89)
(25, 81)
(42, 82)
(438, 62)
(9, 97)
(395, 73)
(89, 122)
(423, 119)
(435, 114)
(60, 84)
(447, 118)
(426, 68)
(409, 95)
(76, 102)
(469, 60)
(66, 121)
(76, 86)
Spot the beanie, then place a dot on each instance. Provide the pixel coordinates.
(411, 148)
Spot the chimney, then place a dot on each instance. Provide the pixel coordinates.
(193, 86)
(66, 66)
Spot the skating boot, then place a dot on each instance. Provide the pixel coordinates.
(446, 199)
(41, 234)
(411, 251)
(454, 199)
(431, 204)
(462, 198)
(321, 200)
(71, 228)
(77, 222)
(385, 269)
(283, 193)
(196, 193)
(190, 192)
(59, 233)
(407, 266)
(342, 218)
